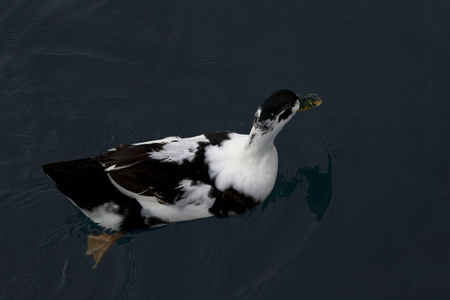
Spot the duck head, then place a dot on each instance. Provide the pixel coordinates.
(276, 111)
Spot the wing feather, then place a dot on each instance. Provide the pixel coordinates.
(156, 169)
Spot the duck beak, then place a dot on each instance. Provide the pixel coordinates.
(309, 101)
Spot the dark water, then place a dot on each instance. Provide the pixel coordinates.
(360, 209)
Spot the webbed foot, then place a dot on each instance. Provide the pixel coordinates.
(99, 244)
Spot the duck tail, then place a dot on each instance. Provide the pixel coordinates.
(80, 180)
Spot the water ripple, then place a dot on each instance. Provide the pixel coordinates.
(76, 51)
(202, 55)
(134, 282)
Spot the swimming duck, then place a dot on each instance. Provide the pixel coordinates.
(176, 179)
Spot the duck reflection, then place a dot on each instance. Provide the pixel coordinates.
(320, 188)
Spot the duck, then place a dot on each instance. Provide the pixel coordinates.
(155, 183)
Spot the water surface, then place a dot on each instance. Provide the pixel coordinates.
(360, 207)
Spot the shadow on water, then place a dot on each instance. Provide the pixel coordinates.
(319, 190)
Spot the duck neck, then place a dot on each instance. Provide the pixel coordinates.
(261, 141)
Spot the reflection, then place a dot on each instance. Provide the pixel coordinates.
(319, 190)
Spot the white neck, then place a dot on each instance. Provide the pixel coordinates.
(259, 141)
(262, 141)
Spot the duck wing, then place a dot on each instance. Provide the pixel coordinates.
(156, 169)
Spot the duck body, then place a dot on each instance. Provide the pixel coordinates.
(170, 180)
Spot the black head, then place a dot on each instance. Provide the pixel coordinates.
(279, 104)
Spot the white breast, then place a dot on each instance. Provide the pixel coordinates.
(248, 171)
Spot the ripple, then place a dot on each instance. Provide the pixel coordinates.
(202, 55)
(50, 8)
(72, 50)
(48, 236)
(134, 278)
(63, 275)
(10, 38)
(117, 92)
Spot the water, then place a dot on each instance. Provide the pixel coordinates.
(360, 207)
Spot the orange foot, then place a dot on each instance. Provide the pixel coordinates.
(99, 244)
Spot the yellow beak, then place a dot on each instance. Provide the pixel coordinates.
(309, 101)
